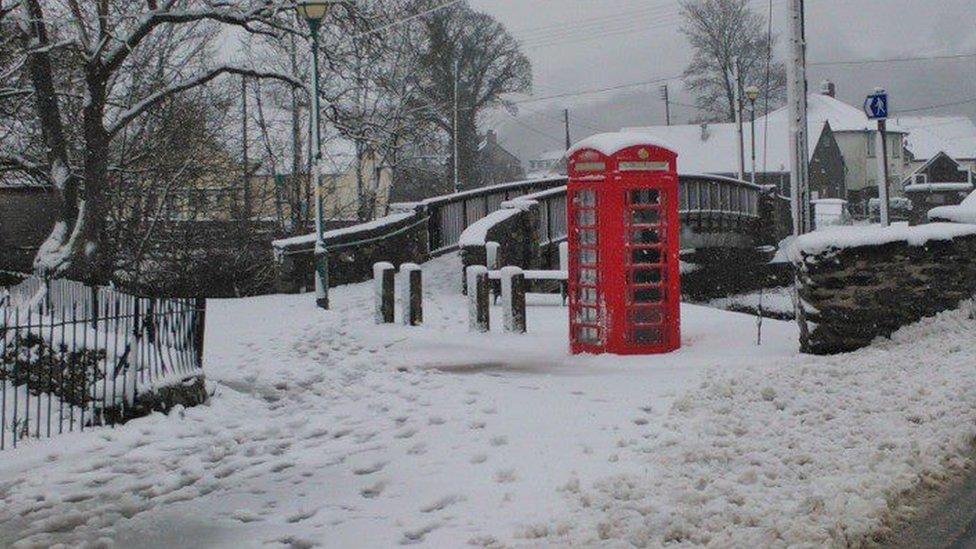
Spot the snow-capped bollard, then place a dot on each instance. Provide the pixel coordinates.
(513, 299)
(411, 298)
(383, 281)
(491, 255)
(478, 314)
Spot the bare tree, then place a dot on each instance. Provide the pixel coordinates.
(87, 52)
(722, 31)
(489, 64)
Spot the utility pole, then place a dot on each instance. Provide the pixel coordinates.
(752, 93)
(666, 97)
(737, 104)
(799, 139)
(569, 142)
(457, 161)
(246, 214)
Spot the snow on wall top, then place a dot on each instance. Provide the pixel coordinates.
(477, 233)
(965, 212)
(839, 238)
(611, 143)
(362, 227)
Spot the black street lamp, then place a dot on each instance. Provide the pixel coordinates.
(752, 93)
(314, 11)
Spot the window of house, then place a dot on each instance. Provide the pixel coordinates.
(872, 144)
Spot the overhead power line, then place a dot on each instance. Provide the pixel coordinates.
(598, 90)
(937, 106)
(893, 60)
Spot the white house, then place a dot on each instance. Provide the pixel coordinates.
(930, 135)
(546, 163)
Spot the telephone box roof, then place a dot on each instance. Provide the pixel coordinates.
(612, 143)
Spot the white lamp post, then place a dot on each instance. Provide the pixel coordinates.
(314, 11)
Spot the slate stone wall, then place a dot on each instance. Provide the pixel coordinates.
(855, 295)
(518, 242)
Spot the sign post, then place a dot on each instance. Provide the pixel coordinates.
(876, 108)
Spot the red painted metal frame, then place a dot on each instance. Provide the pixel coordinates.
(629, 301)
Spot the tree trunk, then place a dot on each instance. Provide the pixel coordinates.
(75, 248)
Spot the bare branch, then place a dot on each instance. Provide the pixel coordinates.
(15, 162)
(142, 106)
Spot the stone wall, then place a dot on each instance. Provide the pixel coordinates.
(516, 234)
(855, 293)
(353, 253)
(26, 218)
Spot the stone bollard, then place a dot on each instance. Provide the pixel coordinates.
(491, 255)
(478, 306)
(383, 282)
(412, 298)
(513, 299)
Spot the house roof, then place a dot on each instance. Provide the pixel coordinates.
(713, 148)
(930, 135)
(911, 177)
(841, 116)
(551, 155)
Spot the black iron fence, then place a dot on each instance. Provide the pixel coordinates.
(76, 356)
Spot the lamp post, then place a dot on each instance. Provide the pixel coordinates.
(752, 93)
(314, 11)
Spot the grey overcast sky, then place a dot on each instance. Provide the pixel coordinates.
(579, 45)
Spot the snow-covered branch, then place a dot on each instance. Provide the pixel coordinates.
(247, 20)
(16, 162)
(145, 104)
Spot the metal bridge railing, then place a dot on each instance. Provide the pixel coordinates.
(451, 214)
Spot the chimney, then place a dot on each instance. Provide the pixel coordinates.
(704, 131)
(828, 88)
(492, 138)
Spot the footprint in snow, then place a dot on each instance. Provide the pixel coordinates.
(442, 503)
(372, 492)
(499, 441)
(370, 469)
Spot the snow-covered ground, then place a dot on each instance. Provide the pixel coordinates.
(776, 302)
(326, 430)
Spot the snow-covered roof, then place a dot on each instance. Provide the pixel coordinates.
(614, 142)
(841, 116)
(930, 135)
(551, 155)
(965, 212)
(714, 148)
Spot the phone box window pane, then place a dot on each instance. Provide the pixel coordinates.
(647, 295)
(646, 256)
(647, 335)
(646, 276)
(586, 217)
(587, 276)
(587, 296)
(588, 334)
(646, 315)
(645, 236)
(644, 196)
(587, 314)
(586, 198)
(588, 256)
(587, 236)
(644, 217)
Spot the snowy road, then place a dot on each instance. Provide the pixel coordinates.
(326, 430)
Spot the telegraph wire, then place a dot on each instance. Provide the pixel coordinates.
(911, 59)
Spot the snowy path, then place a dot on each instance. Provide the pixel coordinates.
(329, 431)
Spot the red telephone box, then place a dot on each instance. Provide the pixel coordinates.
(624, 274)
